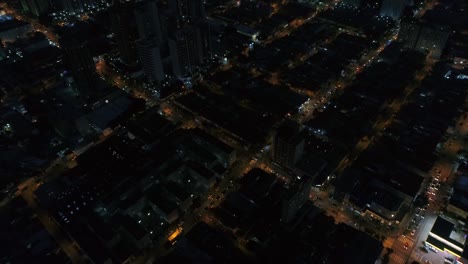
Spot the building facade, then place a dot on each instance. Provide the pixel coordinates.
(35, 7)
(79, 62)
(393, 8)
(186, 51)
(288, 145)
(123, 26)
(150, 59)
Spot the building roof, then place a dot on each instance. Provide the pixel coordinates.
(177, 190)
(132, 227)
(7, 23)
(150, 127)
(101, 117)
(440, 245)
(213, 141)
(290, 132)
(443, 228)
(256, 184)
(200, 169)
(162, 202)
(459, 199)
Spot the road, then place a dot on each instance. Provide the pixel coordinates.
(115, 79)
(190, 219)
(402, 245)
(26, 190)
(34, 23)
(324, 95)
(443, 171)
(296, 23)
(245, 162)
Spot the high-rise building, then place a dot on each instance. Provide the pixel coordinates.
(169, 23)
(423, 37)
(207, 39)
(179, 8)
(355, 3)
(185, 50)
(148, 20)
(393, 8)
(196, 10)
(409, 33)
(35, 7)
(124, 27)
(433, 39)
(187, 10)
(76, 6)
(295, 197)
(211, 34)
(151, 39)
(288, 144)
(64, 5)
(150, 59)
(79, 61)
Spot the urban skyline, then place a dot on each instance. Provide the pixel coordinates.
(234, 131)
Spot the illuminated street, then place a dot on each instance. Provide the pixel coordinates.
(229, 131)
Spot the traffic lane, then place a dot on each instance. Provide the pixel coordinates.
(66, 244)
(26, 191)
(441, 173)
(35, 24)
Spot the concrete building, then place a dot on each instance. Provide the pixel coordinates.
(150, 59)
(123, 26)
(11, 28)
(458, 203)
(187, 11)
(354, 3)
(79, 62)
(393, 8)
(423, 37)
(196, 10)
(433, 39)
(288, 145)
(35, 7)
(164, 207)
(445, 237)
(148, 20)
(134, 233)
(76, 6)
(225, 154)
(186, 51)
(409, 33)
(296, 196)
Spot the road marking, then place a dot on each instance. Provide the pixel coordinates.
(405, 240)
(397, 259)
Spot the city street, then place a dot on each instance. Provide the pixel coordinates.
(323, 96)
(26, 191)
(444, 168)
(201, 78)
(34, 23)
(404, 247)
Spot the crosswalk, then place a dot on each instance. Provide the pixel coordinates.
(397, 259)
(406, 240)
